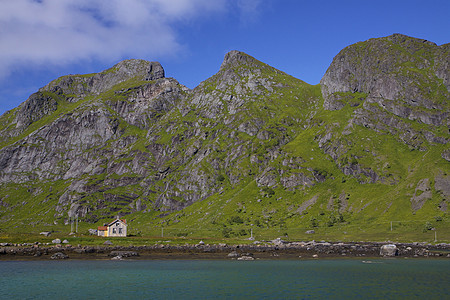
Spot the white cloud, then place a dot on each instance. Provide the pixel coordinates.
(58, 32)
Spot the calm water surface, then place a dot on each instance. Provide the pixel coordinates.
(206, 279)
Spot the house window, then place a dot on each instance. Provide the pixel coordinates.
(117, 224)
(114, 230)
(120, 230)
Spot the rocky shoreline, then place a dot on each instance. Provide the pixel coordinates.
(264, 250)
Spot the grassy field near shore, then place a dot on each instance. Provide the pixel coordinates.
(405, 233)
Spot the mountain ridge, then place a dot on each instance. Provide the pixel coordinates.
(128, 141)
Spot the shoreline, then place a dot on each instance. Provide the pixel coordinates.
(271, 250)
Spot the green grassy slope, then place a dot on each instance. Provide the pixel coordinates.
(251, 151)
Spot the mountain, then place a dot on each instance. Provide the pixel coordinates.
(250, 146)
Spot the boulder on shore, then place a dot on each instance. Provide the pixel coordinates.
(246, 258)
(59, 255)
(123, 253)
(278, 242)
(233, 254)
(389, 250)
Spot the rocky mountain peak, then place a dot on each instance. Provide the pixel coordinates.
(138, 67)
(73, 88)
(398, 38)
(390, 68)
(99, 82)
(155, 71)
(240, 80)
(234, 58)
(390, 80)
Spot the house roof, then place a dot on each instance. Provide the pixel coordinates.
(118, 220)
(102, 228)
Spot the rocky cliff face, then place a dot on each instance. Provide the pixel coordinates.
(130, 141)
(393, 80)
(397, 85)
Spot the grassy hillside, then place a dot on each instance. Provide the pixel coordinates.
(251, 151)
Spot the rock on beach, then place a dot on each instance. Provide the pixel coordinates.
(389, 250)
(59, 255)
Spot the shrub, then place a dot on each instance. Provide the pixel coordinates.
(236, 219)
(242, 232)
(331, 221)
(226, 232)
(267, 191)
(427, 226)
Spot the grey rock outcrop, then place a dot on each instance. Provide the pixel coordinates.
(233, 254)
(121, 253)
(59, 255)
(421, 194)
(389, 250)
(244, 257)
(34, 108)
(442, 184)
(81, 85)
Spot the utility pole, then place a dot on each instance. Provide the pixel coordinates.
(76, 225)
(162, 231)
(71, 224)
(251, 233)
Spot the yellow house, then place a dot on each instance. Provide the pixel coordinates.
(117, 227)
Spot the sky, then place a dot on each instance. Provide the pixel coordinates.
(41, 40)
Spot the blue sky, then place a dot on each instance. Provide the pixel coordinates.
(41, 40)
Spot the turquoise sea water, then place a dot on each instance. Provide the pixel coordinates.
(225, 279)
